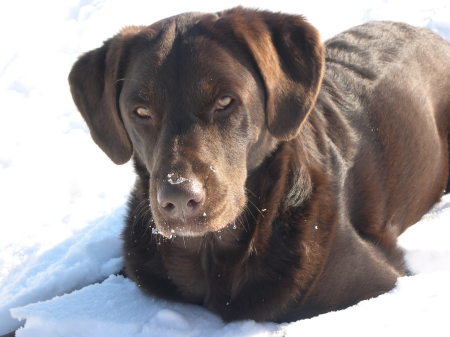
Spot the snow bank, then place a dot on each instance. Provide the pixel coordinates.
(89, 256)
(117, 308)
(418, 306)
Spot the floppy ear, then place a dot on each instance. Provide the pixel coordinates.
(94, 86)
(290, 58)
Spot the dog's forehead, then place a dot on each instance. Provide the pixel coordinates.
(162, 36)
(184, 53)
(184, 22)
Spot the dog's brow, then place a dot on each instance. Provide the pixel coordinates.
(143, 95)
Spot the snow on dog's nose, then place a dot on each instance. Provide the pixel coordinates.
(180, 198)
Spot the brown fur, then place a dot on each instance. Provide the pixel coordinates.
(326, 154)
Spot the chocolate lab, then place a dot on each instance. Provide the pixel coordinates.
(274, 173)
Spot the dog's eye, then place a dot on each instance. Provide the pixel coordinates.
(143, 112)
(224, 102)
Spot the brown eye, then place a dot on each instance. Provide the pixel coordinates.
(143, 112)
(224, 102)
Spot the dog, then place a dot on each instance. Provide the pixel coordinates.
(274, 172)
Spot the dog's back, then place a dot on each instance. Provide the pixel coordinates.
(381, 77)
(387, 73)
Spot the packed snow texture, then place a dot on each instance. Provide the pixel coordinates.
(63, 200)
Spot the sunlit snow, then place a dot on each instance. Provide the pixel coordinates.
(63, 201)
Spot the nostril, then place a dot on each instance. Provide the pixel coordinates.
(193, 204)
(181, 201)
(169, 207)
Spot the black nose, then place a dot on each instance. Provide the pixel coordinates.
(180, 199)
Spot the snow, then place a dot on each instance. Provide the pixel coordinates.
(179, 180)
(117, 308)
(89, 256)
(63, 201)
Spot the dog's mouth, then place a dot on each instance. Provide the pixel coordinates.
(196, 227)
(211, 218)
(192, 228)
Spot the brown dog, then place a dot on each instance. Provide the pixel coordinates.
(274, 173)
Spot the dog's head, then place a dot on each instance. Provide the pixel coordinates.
(201, 100)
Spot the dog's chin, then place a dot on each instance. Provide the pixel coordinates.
(181, 232)
(195, 228)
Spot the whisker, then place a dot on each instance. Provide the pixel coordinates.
(249, 211)
(142, 217)
(253, 204)
(245, 225)
(250, 191)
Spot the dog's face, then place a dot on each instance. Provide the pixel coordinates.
(194, 118)
(200, 100)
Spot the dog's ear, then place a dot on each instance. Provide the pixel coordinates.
(290, 58)
(94, 83)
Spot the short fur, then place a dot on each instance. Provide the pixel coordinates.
(326, 155)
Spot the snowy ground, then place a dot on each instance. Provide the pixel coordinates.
(62, 200)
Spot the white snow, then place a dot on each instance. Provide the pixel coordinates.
(178, 181)
(62, 200)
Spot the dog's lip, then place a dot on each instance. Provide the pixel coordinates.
(181, 230)
(187, 229)
(181, 227)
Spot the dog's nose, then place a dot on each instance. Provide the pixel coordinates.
(180, 199)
